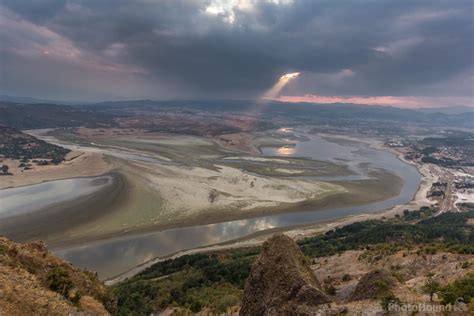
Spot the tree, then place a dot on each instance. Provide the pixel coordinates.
(5, 169)
(431, 287)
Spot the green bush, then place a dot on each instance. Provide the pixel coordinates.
(389, 299)
(59, 281)
(216, 281)
(3, 249)
(462, 288)
(382, 288)
(449, 230)
(227, 301)
(431, 287)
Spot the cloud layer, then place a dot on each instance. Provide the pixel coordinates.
(96, 49)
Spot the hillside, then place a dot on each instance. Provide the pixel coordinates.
(46, 115)
(281, 282)
(34, 282)
(18, 145)
(228, 116)
(363, 267)
(413, 250)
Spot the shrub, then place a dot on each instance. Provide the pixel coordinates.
(389, 300)
(3, 249)
(226, 301)
(430, 287)
(462, 288)
(59, 281)
(382, 286)
(76, 298)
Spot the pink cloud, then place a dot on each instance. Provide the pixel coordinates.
(398, 101)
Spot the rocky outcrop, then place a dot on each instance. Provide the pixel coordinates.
(35, 282)
(281, 282)
(373, 285)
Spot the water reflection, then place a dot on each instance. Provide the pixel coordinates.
(113, 257)
(285, 151)
(21, 200)
(285, 130)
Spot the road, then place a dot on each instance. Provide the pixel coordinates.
(447, 204)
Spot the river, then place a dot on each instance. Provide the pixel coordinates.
(112, 257)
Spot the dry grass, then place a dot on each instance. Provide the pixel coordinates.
(24, 283)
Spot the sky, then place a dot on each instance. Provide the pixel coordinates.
(400, 53)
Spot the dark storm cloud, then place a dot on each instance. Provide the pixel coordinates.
(206, 48)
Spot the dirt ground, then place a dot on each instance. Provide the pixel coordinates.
(77, 164)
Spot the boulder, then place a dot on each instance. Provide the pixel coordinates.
(281, 282)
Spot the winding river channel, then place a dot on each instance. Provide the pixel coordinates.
(114, 256)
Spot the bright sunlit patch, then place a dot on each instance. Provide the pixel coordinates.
(286, 150)
(285, 130)
(290, 76)
(273, 92)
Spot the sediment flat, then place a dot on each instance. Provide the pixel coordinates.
(53, 220)
(77, 164)
(154, 196)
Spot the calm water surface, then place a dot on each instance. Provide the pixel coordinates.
(21, 200)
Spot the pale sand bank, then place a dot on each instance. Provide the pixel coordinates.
(419, 200)
(77, 164)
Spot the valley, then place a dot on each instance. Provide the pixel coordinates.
(167, 182)
(128, 195)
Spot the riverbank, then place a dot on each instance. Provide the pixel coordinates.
(141, 217)
(427, 172)
(212, 197)
(308, 230)
(77, 164)
(58, 206)
(162, 196)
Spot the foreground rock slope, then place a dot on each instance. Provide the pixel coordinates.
(281, 282)
(34, 282)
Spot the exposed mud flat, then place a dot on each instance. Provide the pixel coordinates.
(171, 192)
(47, 210)
(77, 164)
(183, 192)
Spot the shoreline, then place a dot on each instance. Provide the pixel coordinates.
(323, 204)
(350, 197)
(49, 220)
(81, 164)
(298, 231)
(303, 231)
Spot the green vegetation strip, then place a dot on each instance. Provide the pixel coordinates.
(216, 280)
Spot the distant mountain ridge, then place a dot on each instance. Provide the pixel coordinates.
(449, 110)
(51, 115)
(30, 100)
(47, 115)
(135, 102)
